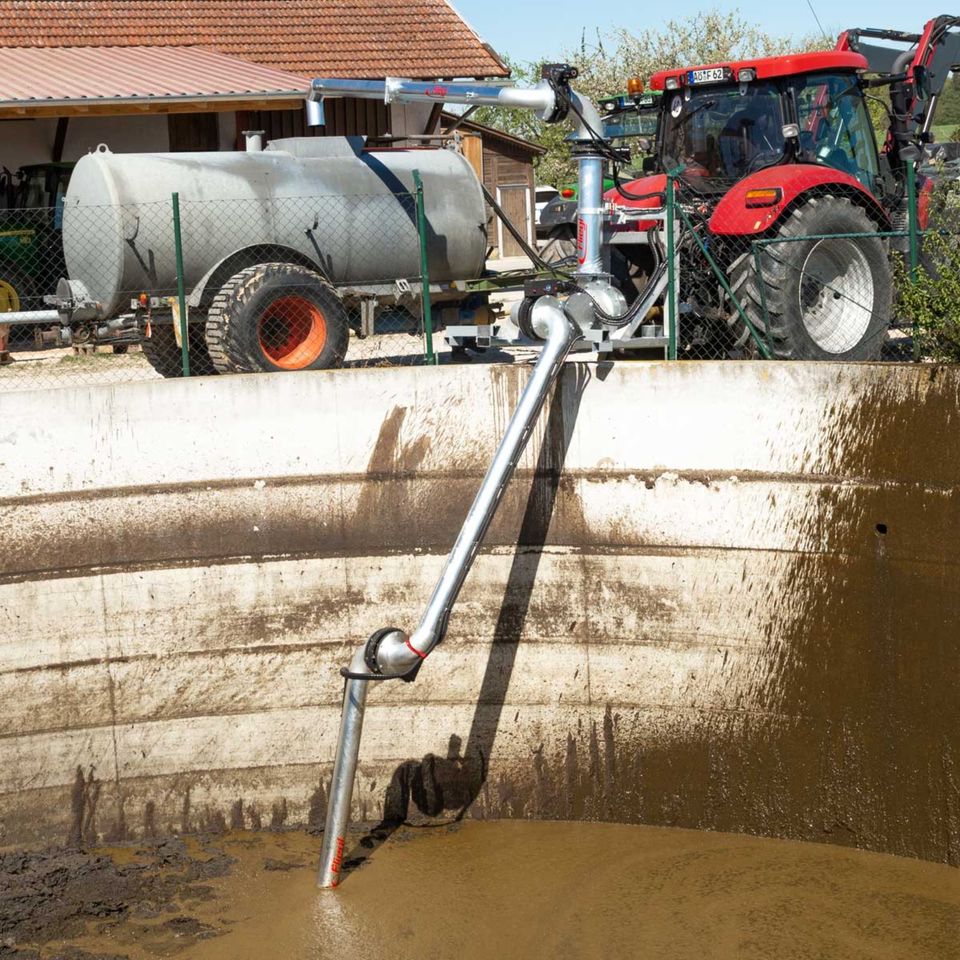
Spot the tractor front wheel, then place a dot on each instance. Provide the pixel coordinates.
(274, 317)
(824, 298)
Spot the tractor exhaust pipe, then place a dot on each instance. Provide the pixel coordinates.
(390, 653)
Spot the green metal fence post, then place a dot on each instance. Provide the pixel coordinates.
(913, 232)
(424, 270)
(912, 219)
(181, 297)
(671, 271)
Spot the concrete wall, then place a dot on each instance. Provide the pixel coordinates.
(734, 605)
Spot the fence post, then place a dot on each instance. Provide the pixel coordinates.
(913, 231)
(912, 219)
(181, 298)
(671, 270)
(424, 270)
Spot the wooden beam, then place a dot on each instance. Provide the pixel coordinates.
(60, 138)
(433, 121)
(91, 108)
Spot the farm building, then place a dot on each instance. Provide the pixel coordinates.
(157, 75)
(504, 164)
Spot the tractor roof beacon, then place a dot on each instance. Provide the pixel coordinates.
(781, 148)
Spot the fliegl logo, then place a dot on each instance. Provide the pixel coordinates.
(337, 861)
(581, 240)
(437, 91)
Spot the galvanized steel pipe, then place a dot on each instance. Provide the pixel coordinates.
(397, 655)
(541, 99)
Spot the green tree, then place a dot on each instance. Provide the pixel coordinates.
(605, 65)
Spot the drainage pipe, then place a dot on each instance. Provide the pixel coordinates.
(390, 653)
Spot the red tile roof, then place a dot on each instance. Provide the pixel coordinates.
(42, 76)
(350, 38)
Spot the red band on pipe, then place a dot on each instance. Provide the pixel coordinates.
(422, 656)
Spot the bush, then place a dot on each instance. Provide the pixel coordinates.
(932, 302)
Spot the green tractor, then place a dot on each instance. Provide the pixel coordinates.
(31, 252)
(629, 121)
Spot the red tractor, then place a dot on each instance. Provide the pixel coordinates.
(780, 148)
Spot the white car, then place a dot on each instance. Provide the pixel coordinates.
(541, 197)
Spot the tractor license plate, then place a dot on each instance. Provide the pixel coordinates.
(710, 75)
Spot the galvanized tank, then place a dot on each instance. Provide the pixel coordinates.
(346, 208)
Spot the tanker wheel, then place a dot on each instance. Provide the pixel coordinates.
(163, 353)
(274, 317)
(826, 299)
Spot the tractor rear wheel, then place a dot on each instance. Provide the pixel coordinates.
(163, 353)
(275, 317)
(825, 299)
(561, 248)
(16, 293)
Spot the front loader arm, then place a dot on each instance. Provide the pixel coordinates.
(916, 75)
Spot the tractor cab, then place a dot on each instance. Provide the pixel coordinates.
(34, 186)
(724, 122)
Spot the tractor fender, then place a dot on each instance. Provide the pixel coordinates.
(654, 185)
(210, 283)
(732, 216)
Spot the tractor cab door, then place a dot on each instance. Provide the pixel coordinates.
(835, 127)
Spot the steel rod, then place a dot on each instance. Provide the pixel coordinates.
(26, 317)
(181, 298)
(344, 773)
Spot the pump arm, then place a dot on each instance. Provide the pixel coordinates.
(552, 99)
(392, 653)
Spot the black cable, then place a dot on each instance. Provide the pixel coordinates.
(606, 151)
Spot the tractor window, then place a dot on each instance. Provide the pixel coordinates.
(724, 132)
(835, 126)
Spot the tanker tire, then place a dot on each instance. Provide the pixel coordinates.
(233, 332)
(848, 289)
(163, 353)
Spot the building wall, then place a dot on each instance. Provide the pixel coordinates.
(506, 167)
(31, 141)
(346, 117)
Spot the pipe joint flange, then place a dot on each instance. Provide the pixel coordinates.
(372, 647)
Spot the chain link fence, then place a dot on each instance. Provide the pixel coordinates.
(829, 276)
(199, 287)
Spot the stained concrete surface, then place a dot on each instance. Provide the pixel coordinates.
(719, 596)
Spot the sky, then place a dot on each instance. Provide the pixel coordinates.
(532, 29)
